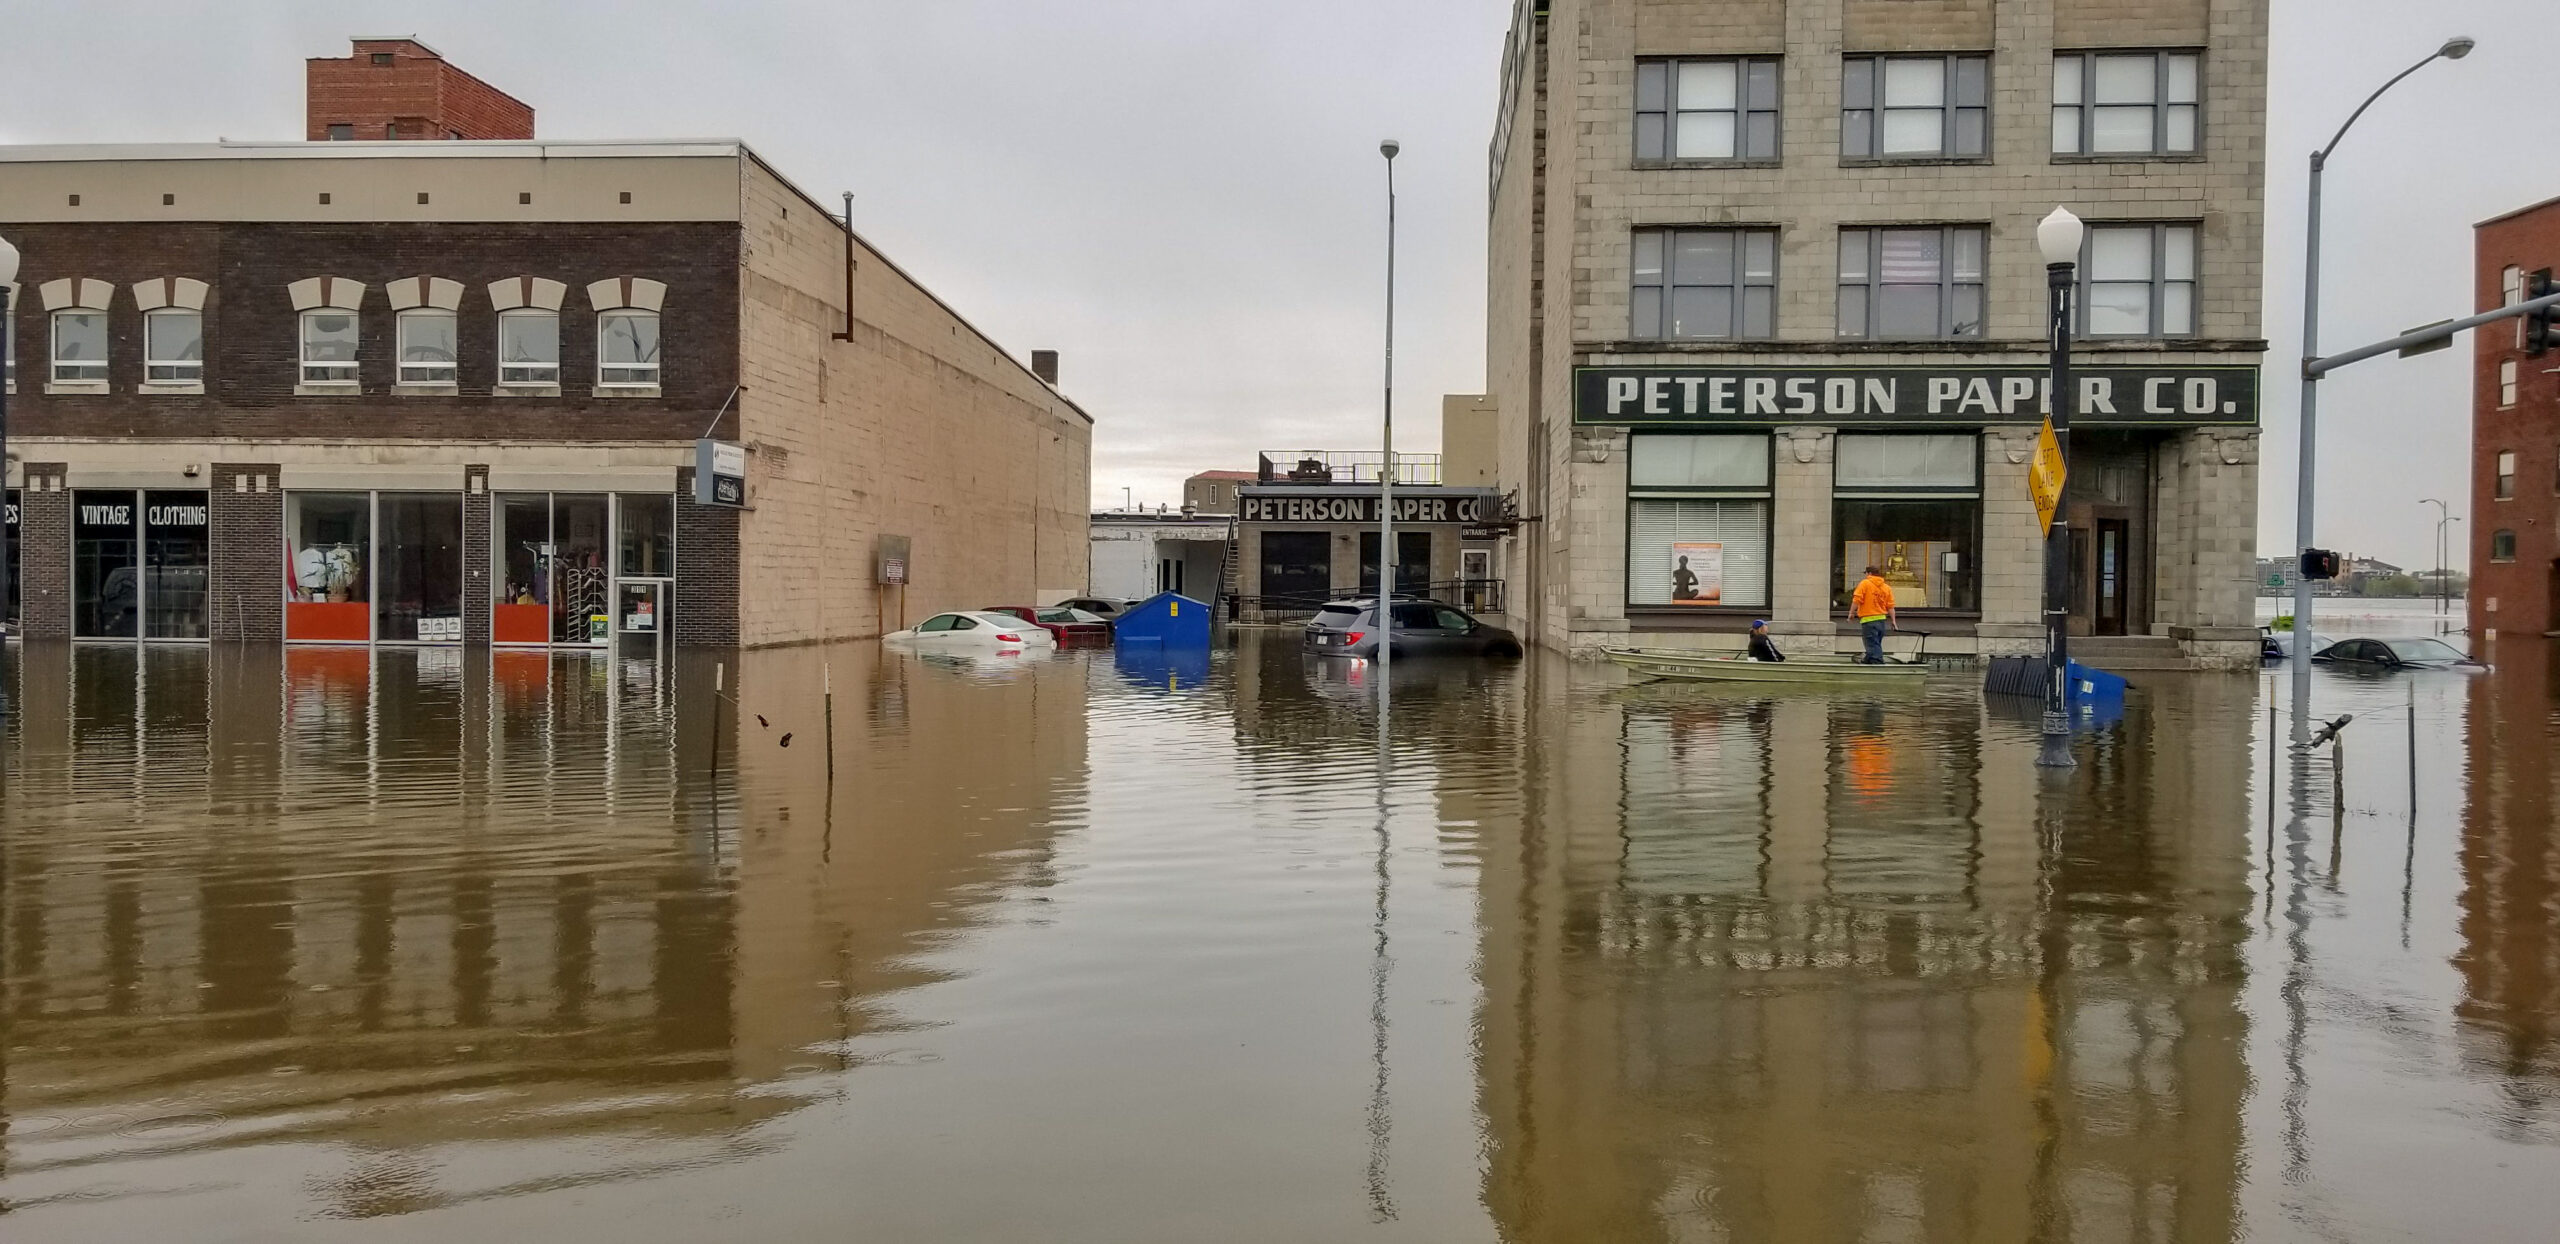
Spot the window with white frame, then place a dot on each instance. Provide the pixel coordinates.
(2511, 292)
(2139, 280)
(173, 345)
(528, 347)
(1915, 107)
(80, 344)
(1703, 284)
(2126, 103)
(2506, 479)
(329, 346)
(430, 345)
(627, 347)
(1912, 284)
(2507, 383)
(1698, 520)
(1720, 109)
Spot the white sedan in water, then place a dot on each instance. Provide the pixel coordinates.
(972, 632)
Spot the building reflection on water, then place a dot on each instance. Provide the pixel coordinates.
(400, 899)
(1815, 969)
(2510, 898)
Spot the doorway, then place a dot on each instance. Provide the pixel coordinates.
(2112, 575)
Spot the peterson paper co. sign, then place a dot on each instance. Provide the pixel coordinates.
(719, 474)
(1359, 508)
(2164, 396)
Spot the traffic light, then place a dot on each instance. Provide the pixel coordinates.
(2319, 564)
(2542, 327)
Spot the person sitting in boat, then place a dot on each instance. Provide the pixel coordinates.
(1761, 648)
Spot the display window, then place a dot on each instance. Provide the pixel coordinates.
(177, 564)
(1910, 506)
(328, 566)
(565, 560)
(106, 565)
(418, 567)
(1698, 521)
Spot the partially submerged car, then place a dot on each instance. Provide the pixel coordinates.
(971, 632)
(2414, 652)
(1349, 628)
(1067, 626)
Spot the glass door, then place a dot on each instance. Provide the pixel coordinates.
(581, 581)
(418, 542)
(177, 564)
(645, 568)
(106, 571)
(521, 614)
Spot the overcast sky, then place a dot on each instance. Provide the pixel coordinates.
(1185, 196)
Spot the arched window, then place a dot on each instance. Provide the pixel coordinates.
(429, 332)
(330, 331)
(528, 333)
(77, 309)
(627, 335)
(172, 334)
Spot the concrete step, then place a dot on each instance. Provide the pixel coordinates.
(2134, 665)
(2124, 645)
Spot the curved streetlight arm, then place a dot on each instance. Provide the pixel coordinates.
(2321, 157)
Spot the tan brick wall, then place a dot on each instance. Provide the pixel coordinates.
(918, 427)
(1593, 195)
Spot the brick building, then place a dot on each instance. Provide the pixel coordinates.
(1765, 303)
(400, 88)
(451, 393)
(2515, 437)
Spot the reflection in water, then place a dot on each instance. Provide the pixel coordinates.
(1095, 946)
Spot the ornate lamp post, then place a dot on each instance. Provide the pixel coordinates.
(2059, 237)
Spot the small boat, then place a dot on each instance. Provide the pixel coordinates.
(1695, 666)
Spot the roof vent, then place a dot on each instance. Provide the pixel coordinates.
(1044, 364)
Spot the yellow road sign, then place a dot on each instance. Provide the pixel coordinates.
(2045, 475)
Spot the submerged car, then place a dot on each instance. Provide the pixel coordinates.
(1067, 626)
(1103, 607)
(2277, 645)
(1349, 628)
(2417, 652)
(971, 632)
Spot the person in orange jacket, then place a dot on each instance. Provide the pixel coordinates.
(1872, 605)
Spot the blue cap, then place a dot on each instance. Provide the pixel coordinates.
(1757, 623)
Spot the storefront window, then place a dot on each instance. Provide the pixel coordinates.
(1413, 563)
(420, 568)
(581, 587)
(106, 583)
(1698, 521)
(1911, 506)
(523, 537)
(648, 536)
(1297, 569)
(329, 558)
(177, 564)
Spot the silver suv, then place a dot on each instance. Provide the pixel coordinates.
(1349, 628)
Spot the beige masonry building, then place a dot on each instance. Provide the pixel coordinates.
(1766, 307)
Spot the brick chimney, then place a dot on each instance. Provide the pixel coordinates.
(401, 88)
(1044, 364)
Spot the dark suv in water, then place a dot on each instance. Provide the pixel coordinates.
(1423, 628)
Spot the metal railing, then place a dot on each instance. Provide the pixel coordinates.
(1345, 467)
(1476, 596)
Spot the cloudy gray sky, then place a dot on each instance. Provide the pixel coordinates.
(1185, 196)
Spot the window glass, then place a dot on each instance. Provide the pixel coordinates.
(648, 535)
(1905, 461)
(627, 347)
(2139, 103)
(329, 546)
(528, 347)
(420, 567)
(1707, 109)
(1703, 283)
(2502, 546)
(1451, 620)
(106, 572)
(328, 346)
(1701, 551)
(1923, 545)
(938, 622)
(2507, 383)
(429, 342)
(1718, 461)
(963, 622)
(79, 345)
(173, 346)
(177, 564)
(2139, 280)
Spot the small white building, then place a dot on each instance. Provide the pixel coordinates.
(1137, 554)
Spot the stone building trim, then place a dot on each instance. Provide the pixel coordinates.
(631, 292)
(334, 293)
(76, 293)
(411, 293)
(183, 293)
(520, 293)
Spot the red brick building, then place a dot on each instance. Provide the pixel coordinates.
(399, 88)
(2515, 437)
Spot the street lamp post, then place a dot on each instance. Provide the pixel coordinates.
(9, 325)
(2454, 49)
(2059, 237)
(1387, 469)
(2444, 514)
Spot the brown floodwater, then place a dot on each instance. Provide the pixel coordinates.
(431, 945)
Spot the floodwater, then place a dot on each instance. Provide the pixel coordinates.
(425, 945)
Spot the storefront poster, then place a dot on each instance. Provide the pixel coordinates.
(1910, 567)
(1697, 574)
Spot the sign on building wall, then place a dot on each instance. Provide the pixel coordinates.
(1359, 507)
(719, 474)
(2169, 395)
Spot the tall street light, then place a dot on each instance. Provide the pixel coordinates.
(2454, 49)
(9, 325)
(1387, 470)
(2058, 236)
(2444, 515)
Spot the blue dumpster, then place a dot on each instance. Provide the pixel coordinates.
(1170, 618)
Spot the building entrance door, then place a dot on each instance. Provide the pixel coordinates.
(2112, 577)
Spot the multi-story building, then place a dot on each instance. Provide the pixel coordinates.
(1765, 296)
(2515, 437)
(456, 392)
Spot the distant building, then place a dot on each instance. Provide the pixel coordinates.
(1308, 528)
(2515, 436)
(1213, 492)
(1136, 555)
(399, 88)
